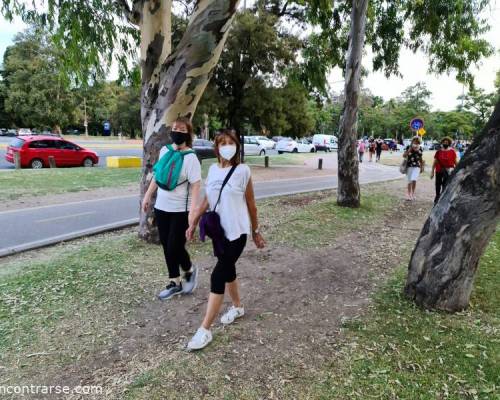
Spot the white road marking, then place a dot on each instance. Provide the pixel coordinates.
(65, 216)
(71, 203)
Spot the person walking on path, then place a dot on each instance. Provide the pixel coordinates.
(361, 150)
(371, 148)
(445, 160)
(175, 199)
(229, 193)
(415, 165)
(379, 144)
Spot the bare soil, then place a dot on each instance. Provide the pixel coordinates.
(295, 302)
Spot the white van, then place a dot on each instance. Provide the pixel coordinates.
(325, 142)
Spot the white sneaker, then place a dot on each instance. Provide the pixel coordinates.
(201, 339)
(232, 314)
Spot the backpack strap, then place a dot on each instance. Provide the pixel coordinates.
(226, 179)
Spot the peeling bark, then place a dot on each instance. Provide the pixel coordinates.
(174, 83)
(445, 260)
(348, 193)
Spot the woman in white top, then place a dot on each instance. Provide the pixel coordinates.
(238, 217)
(172, 210)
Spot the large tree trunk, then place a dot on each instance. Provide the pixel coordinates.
(348, 193)
(172, 84)
(445, 259)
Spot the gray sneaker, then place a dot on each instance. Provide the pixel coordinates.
(191, 281)
(171, 290)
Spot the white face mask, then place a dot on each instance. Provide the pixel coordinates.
(227, 151)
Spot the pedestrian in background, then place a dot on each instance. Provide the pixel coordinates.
(371, 148)
(229, 194)
(379, 144)
(174, 201)
(361, 150)
(415, 166)
(445, 160)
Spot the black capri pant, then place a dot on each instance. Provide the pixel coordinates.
(225, 269)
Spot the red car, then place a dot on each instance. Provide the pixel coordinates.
(35, 152)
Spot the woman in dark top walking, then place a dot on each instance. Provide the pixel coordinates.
(415, 165)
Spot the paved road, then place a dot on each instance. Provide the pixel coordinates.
(35, 227)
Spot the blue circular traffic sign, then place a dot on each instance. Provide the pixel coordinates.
(416, 124)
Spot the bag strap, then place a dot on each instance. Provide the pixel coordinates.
(226, 179)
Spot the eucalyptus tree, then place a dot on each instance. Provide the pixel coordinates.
(173, 79)
(448, 32)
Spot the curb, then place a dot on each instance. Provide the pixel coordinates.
(69, 236)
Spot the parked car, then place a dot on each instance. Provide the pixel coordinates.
(24, 132)
(34, 152)
(434, 146)
(252, 147)
(276, 139)
(325, 142)
(295, 146)
(390, 144)
(203, 148)
(267, 143)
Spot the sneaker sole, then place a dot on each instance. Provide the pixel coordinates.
(198, 348)
(233, 321)
(195, 284)
(169, 297)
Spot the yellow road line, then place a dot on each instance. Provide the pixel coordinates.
(64, 217)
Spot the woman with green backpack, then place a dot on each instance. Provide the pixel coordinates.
(177, 181)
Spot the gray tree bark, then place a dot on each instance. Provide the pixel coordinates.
(173, 82)
(348, 193)
(445, 259)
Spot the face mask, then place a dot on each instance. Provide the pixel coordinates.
(446, 145)
(178, 137)
(227, 151)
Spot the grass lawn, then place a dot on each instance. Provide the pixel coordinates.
(71, 301)
(399, 351)
(32, 183)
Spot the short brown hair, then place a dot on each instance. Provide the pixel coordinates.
(189, 126)
(231, 134)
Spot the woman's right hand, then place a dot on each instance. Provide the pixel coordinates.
(146, 203)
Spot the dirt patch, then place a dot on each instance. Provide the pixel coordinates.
(61, 198)
(296, 303)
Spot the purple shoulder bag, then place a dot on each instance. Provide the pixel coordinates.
(210, 223)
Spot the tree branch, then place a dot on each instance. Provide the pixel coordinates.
(130, 13)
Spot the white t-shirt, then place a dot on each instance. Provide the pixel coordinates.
(175, 200)
(232, 208)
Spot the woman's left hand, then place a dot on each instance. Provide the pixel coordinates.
(259, 240)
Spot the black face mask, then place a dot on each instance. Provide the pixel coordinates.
(445, 146)
(178, 137)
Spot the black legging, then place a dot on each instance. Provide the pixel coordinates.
(172, 228)
(441, 181)
(225, 269)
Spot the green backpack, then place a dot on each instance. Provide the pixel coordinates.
(168, 168)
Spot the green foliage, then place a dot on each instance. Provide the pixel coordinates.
(480, 103)
(89, 33)
(36, 93)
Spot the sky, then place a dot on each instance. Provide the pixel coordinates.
(413, 67)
